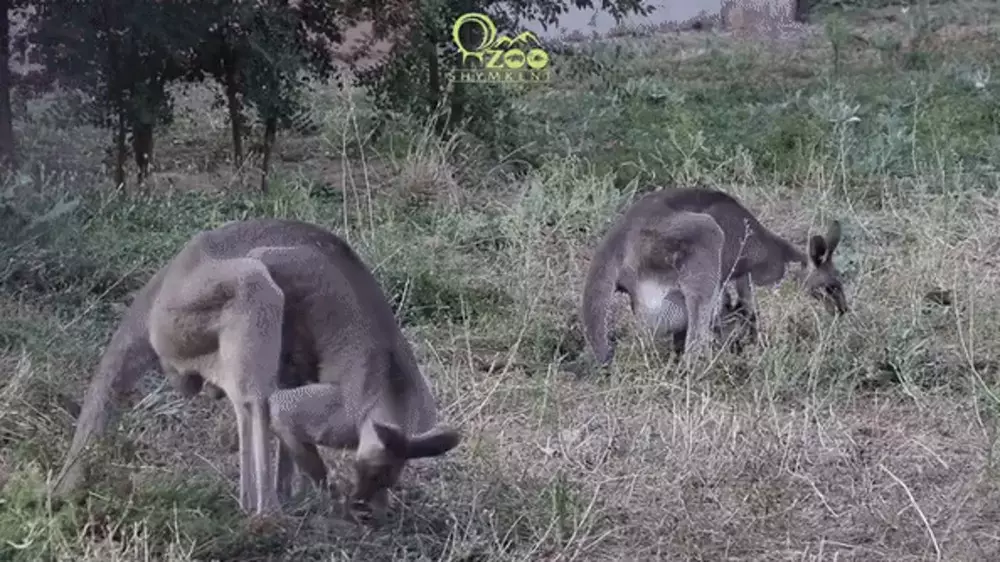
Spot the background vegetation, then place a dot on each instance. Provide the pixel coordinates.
(868, 437)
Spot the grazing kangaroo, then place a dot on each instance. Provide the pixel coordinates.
(332, 324)
(669, 263)
(314, 414)
(756, 254)
(666, 243)
(373, 398)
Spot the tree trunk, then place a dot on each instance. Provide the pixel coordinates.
(115, 94)
(142, 148)
(270, 133)
(434, 83)
(457, 112)
(7, 156)
(458, 98)
(235, 115)
(120, 151)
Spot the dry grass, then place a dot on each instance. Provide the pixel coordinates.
(868, 437)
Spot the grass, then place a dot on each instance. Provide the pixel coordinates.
(868, 437)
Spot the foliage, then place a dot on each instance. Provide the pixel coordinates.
(123, 54)
(118, 52)
(261, 51)
(417, 78)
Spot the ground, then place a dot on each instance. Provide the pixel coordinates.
(868, 437)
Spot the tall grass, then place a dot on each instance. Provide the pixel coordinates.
(865, 437)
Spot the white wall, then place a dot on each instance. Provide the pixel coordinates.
(590, 20)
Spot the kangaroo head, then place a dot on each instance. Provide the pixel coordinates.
(822, 282)
(379, 470)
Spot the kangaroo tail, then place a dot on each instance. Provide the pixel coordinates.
(598, 290)
(127, 357)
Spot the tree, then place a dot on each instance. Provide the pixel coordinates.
(275, 63)
(261, 51)
(412, 79)
(220, 54)
(123, 54)
(6, 119)
(8, 152)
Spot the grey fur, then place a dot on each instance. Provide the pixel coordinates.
(673, 240)
(250, 308)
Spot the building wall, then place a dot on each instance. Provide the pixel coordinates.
(588, 21)
(754, 14)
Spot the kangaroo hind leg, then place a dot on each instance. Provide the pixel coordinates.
(237, 304)
(686, 248)
(699, 277)
(250, 354)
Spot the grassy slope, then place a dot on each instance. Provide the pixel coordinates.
(867, 438)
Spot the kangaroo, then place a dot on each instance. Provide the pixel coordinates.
(756, 254)
(659, 228)
(253, 307)
(669, 264)
(314, 414)
(336, 413)
(373, 397)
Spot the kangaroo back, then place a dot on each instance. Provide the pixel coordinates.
(749, 247)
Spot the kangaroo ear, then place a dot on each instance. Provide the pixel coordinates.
(433, 443)
(393, 439)
(832, 238)
(817, 249)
